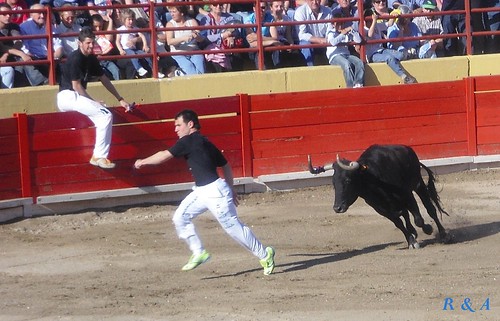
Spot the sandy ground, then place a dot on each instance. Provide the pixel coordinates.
(125, 264)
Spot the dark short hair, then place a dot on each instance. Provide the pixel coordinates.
(189, 115)
(5, 5)
(97, 18)
(86, 32)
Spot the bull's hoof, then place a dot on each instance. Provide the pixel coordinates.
(427, 228)
(414, 245)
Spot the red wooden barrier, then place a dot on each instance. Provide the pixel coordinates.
(287, 127)
(10, 171)
(487, 108)
(62, 143)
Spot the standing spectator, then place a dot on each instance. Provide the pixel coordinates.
(338, 54)
(185, 41)
(404, 28)
(128, 43)
(376, 52)
(210, 193)
(429, 25)
(453, 24)
(80, 66)
(17, 5)
(221, 38)
(493, 24)
(37, 48)
(312, 33)
(67, 25)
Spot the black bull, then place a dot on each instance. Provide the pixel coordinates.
(385, 176)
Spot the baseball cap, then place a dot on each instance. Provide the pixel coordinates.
(429, 4)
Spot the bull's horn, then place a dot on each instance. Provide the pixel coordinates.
(317, 170)
(351, 167)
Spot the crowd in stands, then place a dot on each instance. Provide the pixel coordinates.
(324, 38)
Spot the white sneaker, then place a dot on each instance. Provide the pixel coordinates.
(142, 72)
(161, 75)
(358, 86)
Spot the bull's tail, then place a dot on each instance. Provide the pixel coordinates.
(431, 188)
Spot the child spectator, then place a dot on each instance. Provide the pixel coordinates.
(128, 43)
(338, 54)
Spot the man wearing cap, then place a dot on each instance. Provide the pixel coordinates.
(429, 25)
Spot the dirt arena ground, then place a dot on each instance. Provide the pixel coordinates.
(125, 264)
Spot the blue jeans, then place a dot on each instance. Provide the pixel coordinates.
(191, 65)
(454, 24)
(426, 51)
(309, 53)
(353, 68)
(392, 58)
(135, 61)
(6, 77)
(111, 68)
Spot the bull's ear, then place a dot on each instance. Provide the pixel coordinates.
(364, 167)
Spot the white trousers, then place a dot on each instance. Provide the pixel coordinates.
(68, 100)
(216, 197)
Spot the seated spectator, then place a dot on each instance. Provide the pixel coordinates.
(17, 5)
(103, 46)
(339, 36)
(67, 25)
(429, 25)
(129, 42)
(348, 9)
(284, 34)
(312, 33)
(375, 52)
(222, 38)
(105, 13)
(404, 28)
(37, 48)
(271, 58)
(185, 41)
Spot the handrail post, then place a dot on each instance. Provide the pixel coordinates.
(468, 28)
(50, 46)
(258, 21)
(152, 27)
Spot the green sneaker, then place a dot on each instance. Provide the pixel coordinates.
(268, 262)
(196, 260)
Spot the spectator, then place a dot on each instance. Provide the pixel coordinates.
(338, 54)
(312, 33)
(429, 25)
(37, 48)
(222, 38)
(105, 13)
(284, 34)
(7, 29)
(129, 42)
(375, 52)
(73, 96)
(404, 28)
(271, 58)
(348, 9)
(17, 5)
(453, 24)
(104, 46)
(68, 25)
(493, 24)
(185, 41)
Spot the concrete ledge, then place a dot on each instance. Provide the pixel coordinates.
(13, 209)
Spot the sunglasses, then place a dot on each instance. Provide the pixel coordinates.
(380, 1)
